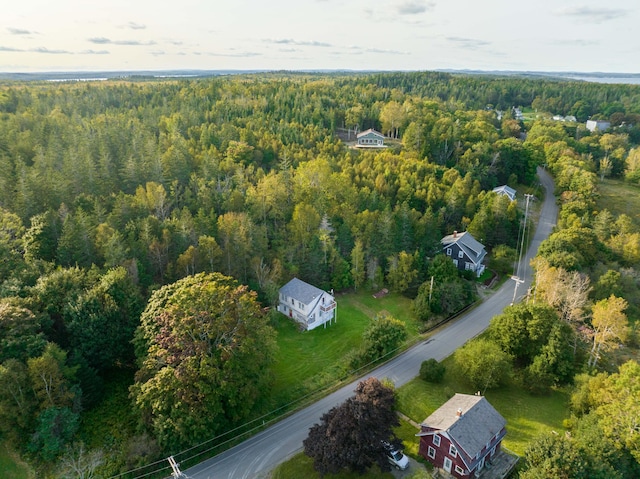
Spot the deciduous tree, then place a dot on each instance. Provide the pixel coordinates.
(204, 347)
(350, 436)
(610, 326)
(483, 364)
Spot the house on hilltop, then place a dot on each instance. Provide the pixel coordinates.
(309, 306)
(465, 252)
(370, 139)
(505, 191)
(463, 436)
(598, 125)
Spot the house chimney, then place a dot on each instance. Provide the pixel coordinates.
(459, 412)
(455, 234)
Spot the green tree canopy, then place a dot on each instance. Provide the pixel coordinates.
(482, 364)
(204, 348)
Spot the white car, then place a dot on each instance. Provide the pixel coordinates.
(398, 459)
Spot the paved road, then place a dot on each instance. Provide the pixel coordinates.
(259, 454)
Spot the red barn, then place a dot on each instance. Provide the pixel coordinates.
(462, 436)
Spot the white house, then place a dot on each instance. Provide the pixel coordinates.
(505, 190)
(306, 304)
(598, 125)
(370, 139)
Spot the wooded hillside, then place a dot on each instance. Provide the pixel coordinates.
(113, 193)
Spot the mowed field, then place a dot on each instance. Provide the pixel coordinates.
(620, 197)
(308, 361)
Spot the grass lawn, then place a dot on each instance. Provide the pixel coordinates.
(301, 465)
(310, 360)
(527, 416)
(11, 467)
(620, 197)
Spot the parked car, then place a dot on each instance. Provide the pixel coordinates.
(396, 457)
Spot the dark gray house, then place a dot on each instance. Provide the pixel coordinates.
(467, 253)
(462, 436)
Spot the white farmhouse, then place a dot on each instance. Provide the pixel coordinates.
(309, 306)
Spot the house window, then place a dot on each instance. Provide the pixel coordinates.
(293, 302)
(455, 261)
(436, 440)
(468, 266)
(448, 251)
(431, 452)
(460, 254)
(459, 470)
(453, 451)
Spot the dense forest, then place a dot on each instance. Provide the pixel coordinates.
(122, 204)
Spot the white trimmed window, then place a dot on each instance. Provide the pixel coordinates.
(436, 440)
(453, 451)
(448, 251)
(460, 254)
(459, 470)
(431, 452)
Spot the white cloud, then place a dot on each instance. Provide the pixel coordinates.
(107, 41)
(414, 7)
(289, 41)
(19, 31)
(591, 14)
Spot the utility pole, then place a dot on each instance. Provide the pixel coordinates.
(177, 474)
(516, 277)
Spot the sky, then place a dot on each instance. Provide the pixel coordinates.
(131, 35)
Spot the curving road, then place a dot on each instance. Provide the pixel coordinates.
(259, 454)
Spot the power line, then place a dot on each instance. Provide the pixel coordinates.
(516, 277)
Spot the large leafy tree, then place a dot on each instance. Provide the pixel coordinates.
(483, 364)
(523, 329)
(204, 348)
(351, 435)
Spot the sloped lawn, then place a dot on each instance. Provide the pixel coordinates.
(11, 467)
(527, 416)
(310, 360)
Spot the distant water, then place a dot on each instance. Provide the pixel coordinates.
(633, 80)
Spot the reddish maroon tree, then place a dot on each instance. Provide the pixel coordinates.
(352, 435)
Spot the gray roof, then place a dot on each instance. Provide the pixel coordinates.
(370, 130)
(467, 243)
(301, 291)
(474, 429)
(505, 190)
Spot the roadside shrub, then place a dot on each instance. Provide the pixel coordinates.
(432, 371)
